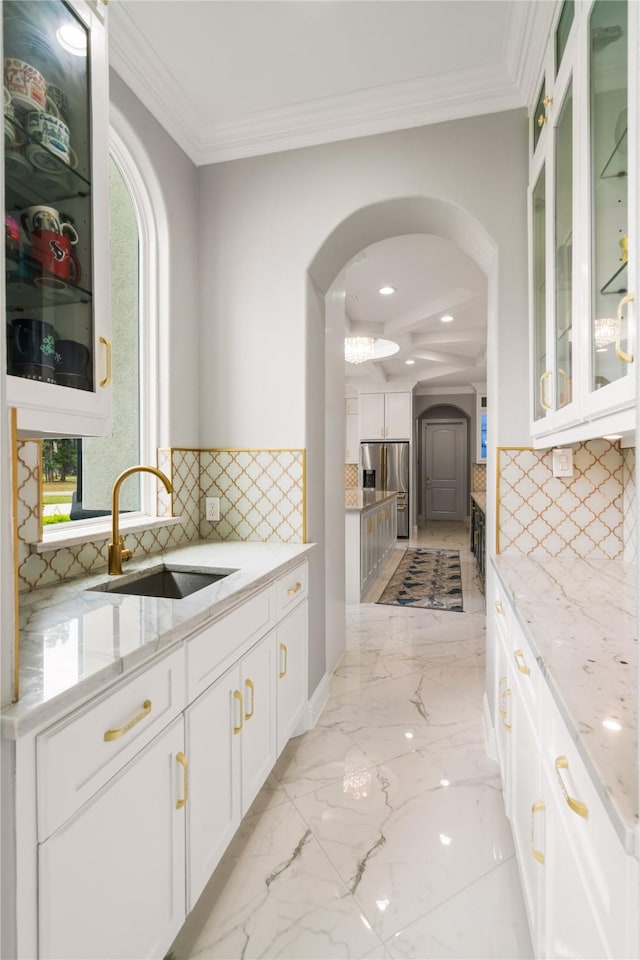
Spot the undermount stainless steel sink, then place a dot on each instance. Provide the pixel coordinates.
(175, 584)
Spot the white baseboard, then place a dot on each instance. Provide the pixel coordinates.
(489, 732)
(315, 706)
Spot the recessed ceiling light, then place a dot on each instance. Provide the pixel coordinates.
(410, 362)
(447, 318)
(387, 291)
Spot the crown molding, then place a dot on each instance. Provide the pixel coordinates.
(526, 34)
(448, 96)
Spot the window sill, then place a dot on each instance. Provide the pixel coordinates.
(98, 530)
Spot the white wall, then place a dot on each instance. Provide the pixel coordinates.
(264, 220)
(174, 176)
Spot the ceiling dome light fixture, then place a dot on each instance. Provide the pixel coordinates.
(447, 318)
(73, 39)
(359, 349)
(387, 291)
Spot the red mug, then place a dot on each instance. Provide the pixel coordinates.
(54, 254)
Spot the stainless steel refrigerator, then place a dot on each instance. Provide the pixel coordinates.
(385, 466)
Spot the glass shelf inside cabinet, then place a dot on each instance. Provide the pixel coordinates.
(37, 176)
(616, 165)
(618, 282)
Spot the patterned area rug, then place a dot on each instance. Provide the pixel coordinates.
(426, 578)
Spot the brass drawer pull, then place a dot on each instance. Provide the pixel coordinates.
(536, 807)
(506, 696)
(120, 731)
(576, 805)
(182, 760)
(109, 373)
(249, 683)
(283, 648)
(294, 589)
(238, 696)
(521, 665)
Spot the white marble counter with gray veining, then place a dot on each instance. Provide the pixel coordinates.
(75, 641)
(580, 619)
(357, 499)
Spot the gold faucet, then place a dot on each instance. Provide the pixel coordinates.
(117, 550)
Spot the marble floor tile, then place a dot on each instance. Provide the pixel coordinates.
(494, 923)
(408, 834)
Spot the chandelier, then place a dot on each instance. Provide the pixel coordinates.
(605, 331)
(359, 349)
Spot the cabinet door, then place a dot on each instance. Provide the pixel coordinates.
(56, 205)
(352, 450)
(258, 740)
(291, 662)
(371, 414)
(213, 726)
(398, 416)
(111, 880)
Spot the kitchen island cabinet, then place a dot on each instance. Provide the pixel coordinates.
(370, 533)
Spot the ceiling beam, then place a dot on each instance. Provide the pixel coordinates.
(446, 333)
(452, 359)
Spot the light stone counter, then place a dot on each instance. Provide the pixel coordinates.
(358, 499)
(580, 619)
(480, 498)
(74, 641)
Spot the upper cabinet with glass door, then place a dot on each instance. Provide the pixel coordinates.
(583, 223)
(58, 351)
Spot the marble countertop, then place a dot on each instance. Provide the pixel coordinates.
(75, 641)
(480, 498)
(356, 499)
(580, 619)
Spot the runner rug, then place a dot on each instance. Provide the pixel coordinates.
(426, 578)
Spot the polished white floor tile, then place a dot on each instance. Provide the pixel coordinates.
(381, 832)
(484, 920)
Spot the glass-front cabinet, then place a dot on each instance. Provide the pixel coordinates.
(58, 351)
(583, 218)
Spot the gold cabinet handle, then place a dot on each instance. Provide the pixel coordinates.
(369, 525)
(294, 589)
(506, 696)
(283, 648)
(536, 807)
(576, 805)
(182, 760)
(120, 731)
(501, 692)
(500, 608)
(621, 354)
(248, 683)
(109, 373)
(238, 696)
(542, 391)
(521, 665)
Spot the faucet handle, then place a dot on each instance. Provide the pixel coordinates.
(125, 553)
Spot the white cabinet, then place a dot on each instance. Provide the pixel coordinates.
(56, 304)
(583, 213)
(292, 672)
(258, 717)
(386, 416)
(111, 879)
(352, 433)
(369, 535)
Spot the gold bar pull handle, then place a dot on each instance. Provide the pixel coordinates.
(576, 805)
(506, 697)
(109, 373)
(182, 760)
(621, 354)
(536, 807)
(238, 696)
(543, 391)
(501, 692)
(283, 649)
(249, 683)
(120, 731)
(500, 608)
(521, 665)
(294, 589)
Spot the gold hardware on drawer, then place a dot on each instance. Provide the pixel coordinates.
(576, 805)
(506, 696)
(521, 665)
(283, 649)
(108, 377)
(501, 692)
(248, 683)
(500, 608)
(238, 697)
(294, 589)
(536, 807)
(401, 509)
(120, 731)
(182, 760)
(621, 354)
(369, 525)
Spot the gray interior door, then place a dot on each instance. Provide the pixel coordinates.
(445, 458)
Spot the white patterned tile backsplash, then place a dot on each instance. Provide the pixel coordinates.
(630, 505)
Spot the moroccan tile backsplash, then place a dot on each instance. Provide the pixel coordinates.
(478, 476)
(262, 498)
(630, 504)
(581, 516)
(351, 474)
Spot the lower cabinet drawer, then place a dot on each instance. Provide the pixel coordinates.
(80, 753)
(292, 588)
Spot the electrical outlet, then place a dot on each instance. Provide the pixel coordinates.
(212, 506)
